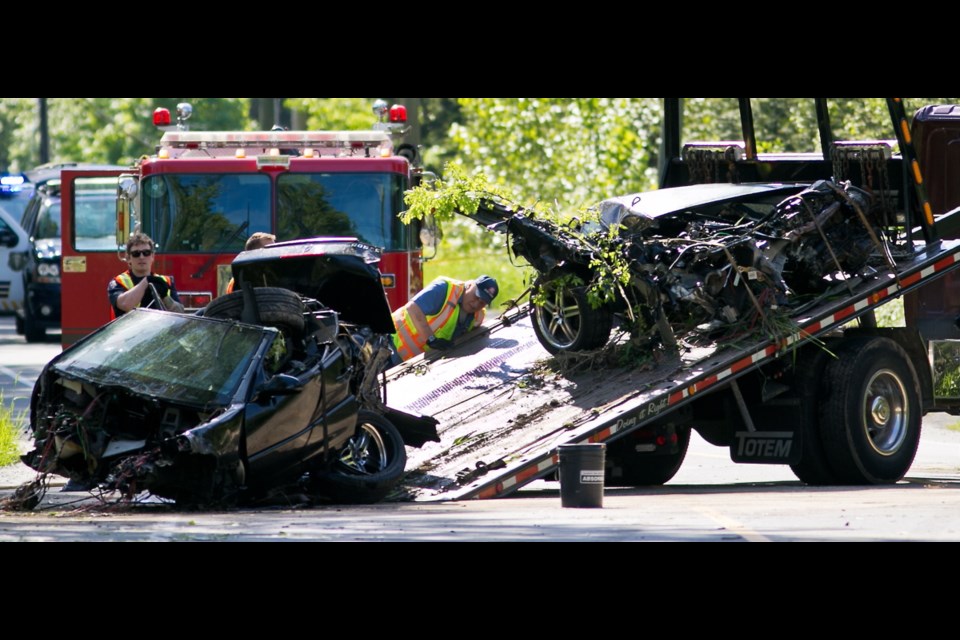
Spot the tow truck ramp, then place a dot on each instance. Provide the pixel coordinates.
(504, 408)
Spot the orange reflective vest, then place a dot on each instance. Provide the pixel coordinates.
(126, 281)
(409, 343)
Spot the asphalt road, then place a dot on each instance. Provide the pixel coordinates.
(710, 499)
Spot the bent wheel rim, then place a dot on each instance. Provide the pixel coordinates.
(365, 453)
(886, 412)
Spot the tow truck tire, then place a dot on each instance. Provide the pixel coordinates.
(627, 468)
(814, 466)
(368, 467)
(567, 322)
(278, 307)
(870, 415)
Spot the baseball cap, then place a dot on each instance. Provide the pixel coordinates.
(487, 289)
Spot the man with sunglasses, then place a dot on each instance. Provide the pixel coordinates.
(138, 286)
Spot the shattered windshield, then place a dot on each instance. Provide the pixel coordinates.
(166, 355)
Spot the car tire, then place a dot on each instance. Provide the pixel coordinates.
(870, 415)
(625, 467)
(32, 332)
(566, 321)
(18, 324)
(368, 467)
(278, 307)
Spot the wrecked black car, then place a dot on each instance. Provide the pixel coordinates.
(273, 385)
(709, 260)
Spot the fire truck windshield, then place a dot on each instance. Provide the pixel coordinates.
(364, 205)
(207, 213)
(204, 213)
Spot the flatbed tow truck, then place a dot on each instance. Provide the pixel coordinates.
(838, 399)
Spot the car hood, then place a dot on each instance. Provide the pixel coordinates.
(650, 205)
(339, 272)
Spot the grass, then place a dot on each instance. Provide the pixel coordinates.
(9, 436)
(480, 253)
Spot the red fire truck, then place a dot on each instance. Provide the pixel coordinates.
(202, 194)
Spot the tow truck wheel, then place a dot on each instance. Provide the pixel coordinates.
(870, 416)
(566, 321)
(367, 467)
(814, 466)
(625, 467)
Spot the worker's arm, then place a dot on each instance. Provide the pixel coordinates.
(172, 300)
(418, 319)
(130, 300)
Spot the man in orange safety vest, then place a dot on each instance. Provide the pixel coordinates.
(443, 311)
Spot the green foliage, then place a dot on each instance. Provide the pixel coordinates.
(9, 436)
(18, 119)
(105, 130)
(574, 151)
(790, 124)
(891, 314)
(459, 193)
(610, 267)
(437, 116)
(333, 114)
(455, 193)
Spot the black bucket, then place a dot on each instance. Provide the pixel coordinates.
(581, 475)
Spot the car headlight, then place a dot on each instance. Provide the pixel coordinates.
(48, 269)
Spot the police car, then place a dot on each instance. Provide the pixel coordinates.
(13, 240)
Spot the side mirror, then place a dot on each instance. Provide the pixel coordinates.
(430, 236)
(424, 178)
(127, 190)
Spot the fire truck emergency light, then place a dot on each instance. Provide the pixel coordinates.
(398, 113)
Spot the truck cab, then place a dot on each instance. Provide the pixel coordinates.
(202, 194)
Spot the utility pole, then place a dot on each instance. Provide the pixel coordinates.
(44, 132)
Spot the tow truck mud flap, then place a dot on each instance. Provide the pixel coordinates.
(766, 447)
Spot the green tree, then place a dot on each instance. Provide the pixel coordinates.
(18, 118)
(334, 114)
(105, 130)
(572, 150)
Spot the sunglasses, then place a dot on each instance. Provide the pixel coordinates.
(144, 253)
